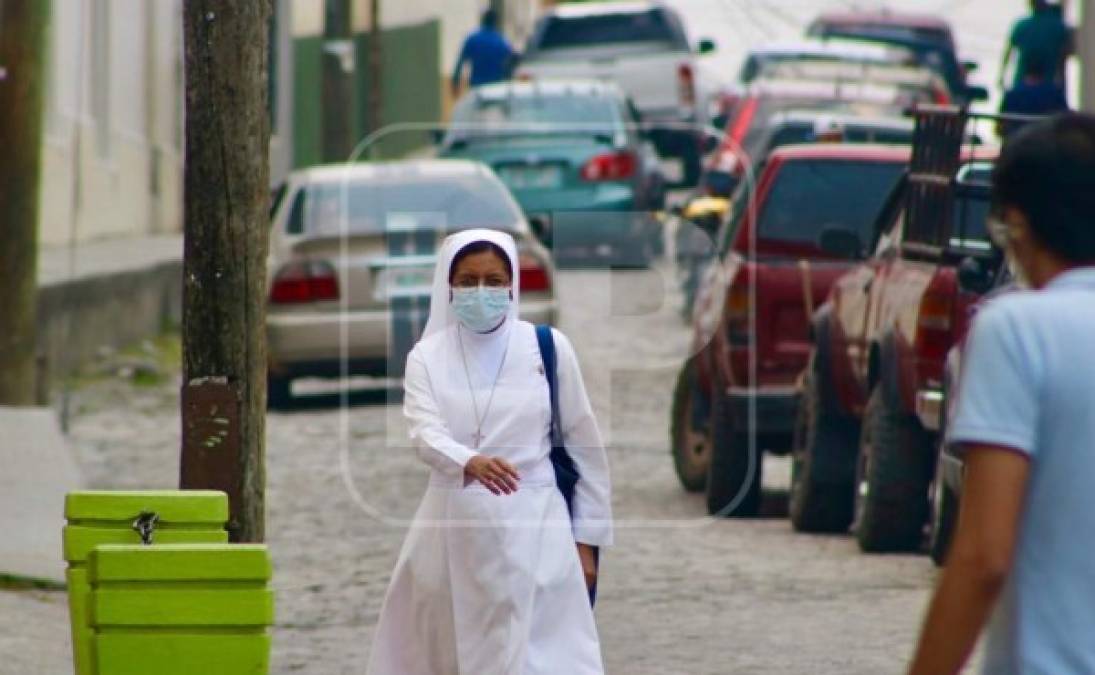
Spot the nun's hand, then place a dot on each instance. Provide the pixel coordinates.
(588, 556)
(495, 473)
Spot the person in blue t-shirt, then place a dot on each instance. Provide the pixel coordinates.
(487, 52)
(1043, 36)
(1022, 551)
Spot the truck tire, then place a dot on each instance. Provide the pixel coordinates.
(279, 393)
(892, 479)
(734, 479)
(818, 503)
(691, 446)
(944, 518)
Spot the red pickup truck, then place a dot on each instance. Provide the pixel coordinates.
(864, 444)
(736, 395)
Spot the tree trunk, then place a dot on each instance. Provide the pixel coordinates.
(226, 196)
(23, 25)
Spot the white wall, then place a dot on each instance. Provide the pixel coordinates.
(131, 184)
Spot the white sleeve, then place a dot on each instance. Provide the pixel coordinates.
(592, 507)
(428, 431)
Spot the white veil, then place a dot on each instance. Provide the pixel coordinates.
(441, 314)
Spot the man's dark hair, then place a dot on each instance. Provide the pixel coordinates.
(489, 19)
(477, 247)
(1046, 170)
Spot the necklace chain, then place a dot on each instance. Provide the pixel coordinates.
(471, 390)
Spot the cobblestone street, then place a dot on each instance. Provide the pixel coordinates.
(680, 593)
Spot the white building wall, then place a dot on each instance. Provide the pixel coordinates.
(113, 149)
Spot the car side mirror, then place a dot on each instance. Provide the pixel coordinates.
(970, 66)
(707, 46)
(841, 243)
(541, 227)
(977, 93)
(974, 276)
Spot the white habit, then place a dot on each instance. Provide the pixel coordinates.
(490, 584)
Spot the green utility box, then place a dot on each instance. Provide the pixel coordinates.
(180, 609)
(101, 517)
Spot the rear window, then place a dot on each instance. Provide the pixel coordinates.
(442, 204)
(606, 29)
(811, 196)
(522, 115)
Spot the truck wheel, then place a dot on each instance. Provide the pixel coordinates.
(691, 444)
(278, 391)
(892, 479)
(817, 504)
(733, 481)
(944, 517)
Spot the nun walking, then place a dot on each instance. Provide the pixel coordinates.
(495, 575)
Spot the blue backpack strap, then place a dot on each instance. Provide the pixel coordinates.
(546, 342)
(566, 472)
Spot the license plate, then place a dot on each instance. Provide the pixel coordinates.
(531, 177)
(403, 282)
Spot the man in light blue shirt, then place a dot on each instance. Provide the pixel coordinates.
(1025, 419)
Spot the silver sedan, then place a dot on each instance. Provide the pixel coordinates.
(352, 251)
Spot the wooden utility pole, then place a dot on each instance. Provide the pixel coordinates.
(23, 26)
(338, 80)
(226, 193)
(1085, 46)
(376, 68)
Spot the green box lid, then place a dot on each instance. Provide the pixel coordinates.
(110, 563)
(172, 506)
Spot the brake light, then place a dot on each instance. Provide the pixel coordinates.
(935, 327)
(743, 121)
(534, 275)
(686, 85)
(523, 76)
(304, 281)
(737, 310)
(609, 166)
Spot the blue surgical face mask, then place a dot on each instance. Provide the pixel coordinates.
(481, 309)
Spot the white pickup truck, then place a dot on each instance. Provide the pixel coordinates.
(643, 48)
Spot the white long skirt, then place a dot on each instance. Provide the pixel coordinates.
(499, 590)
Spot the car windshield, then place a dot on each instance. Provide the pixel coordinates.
(810, 196)
(610, 28)
(479, 117)
(382, 204)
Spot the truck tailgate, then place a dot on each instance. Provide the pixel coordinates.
(650, 79)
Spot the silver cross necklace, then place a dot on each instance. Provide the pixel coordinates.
(478, 438)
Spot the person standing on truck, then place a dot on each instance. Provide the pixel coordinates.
(1024, 425)
(1043, 36)
(487, 52)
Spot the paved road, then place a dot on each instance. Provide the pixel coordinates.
(680, 593)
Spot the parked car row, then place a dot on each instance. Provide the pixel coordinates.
(826, 327)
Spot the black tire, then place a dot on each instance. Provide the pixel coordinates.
(816, 503)
(692, 161)
(279, 393)
(734, 479)
(690, 446)
(892, 479)
(944, 517)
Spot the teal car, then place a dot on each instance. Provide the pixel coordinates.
(576, 159)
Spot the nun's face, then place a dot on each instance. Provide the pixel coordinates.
(485, 269)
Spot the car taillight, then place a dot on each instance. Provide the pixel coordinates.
(304, 281)
(743, 121)
(935, 327)
(523, 76)
(609, 166)
(737, 310)
(686, 85)
(534, 275)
